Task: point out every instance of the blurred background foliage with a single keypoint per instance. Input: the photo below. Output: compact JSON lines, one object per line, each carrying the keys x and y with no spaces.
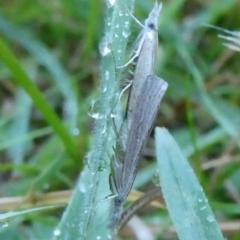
{"x":56,"y":43}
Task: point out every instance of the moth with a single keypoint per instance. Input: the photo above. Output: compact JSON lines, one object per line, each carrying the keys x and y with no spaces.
{"x":144,"y":56}
{"x":125,"y":161}
{"x":145,"y":95}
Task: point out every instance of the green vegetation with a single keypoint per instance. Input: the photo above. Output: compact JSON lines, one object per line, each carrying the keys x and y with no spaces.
{"x":59,"y":94}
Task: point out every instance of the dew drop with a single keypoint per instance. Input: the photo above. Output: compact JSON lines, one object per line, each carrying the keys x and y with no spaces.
{"x":104,"y":130}
{"x":104,"y":48}
{"x":107,"y":75}
{"x":82,"y":188}
{"x":102,"y":167}
{"x":202,"y":208}
{"x":104,"y":89}
{"x":113,"y":114}
{"x":210,"y":218}
{"x":5,"y":225}
{"x":95,"y":115}
{"x":86,"y":161}
{"x":120,"y":13}
{"x":57,"y":232}
{"x":126,"y":23}
{"x":115,"y":35}
{"x":110,"y":3}
{"x":109,"y":21}
{"x":117,"y":26}
{"x":125,"y":34}
{"x":94,"y":110}
{"x":75,"y":131}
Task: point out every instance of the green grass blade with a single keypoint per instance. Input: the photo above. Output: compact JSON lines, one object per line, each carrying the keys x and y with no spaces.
{"x":86,"y":217}
{"x":22,"y":79}
{"x":19,"y":126}
{"x":45,"y":58}
{"x":206,"y":98}
{"x":7,"y":216}
{"x":185,"y":199}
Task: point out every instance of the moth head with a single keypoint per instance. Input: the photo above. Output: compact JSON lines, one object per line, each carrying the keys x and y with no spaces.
{"x":152,"y":21}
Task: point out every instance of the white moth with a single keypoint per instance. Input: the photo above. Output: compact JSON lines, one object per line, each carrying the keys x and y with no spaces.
{"x":145,"y":96}
{"x":125,"y":162}
{"x":144,"y":55}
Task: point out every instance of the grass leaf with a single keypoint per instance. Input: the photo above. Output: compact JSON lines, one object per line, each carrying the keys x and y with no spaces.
{"x":185,"y":199}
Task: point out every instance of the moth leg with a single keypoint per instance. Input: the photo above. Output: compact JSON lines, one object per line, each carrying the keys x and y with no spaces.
{"x":135,"y":55}
{"x":134,"y":18}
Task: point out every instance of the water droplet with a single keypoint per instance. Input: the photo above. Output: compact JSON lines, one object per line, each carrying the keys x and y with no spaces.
{"x":82,"y":187}
{"x":104,"y":89}
{"x":126,"y":23}
{"x":94,"y":110}
{"x":110,"y":3}
{"x":113,"y":114}
{"x":210,"y":218}
{"x":120,"y":13}
{"x":107,"y":75}
{"x":98,"y":237}
{"x":104,"y":130}
{"x":102,"y":167}
{"x":115,"y":35}
{"x":200,"y":200}
{"x":119,"y":50}
{"x":4,"y":224}
{"x":86,"y":161}
{"x":117,"y":26}
{"x":104,"y":48}
{"x":95,"y":115}
{"x":57,"y":232}
{"x":75,"y":131}
{"x":125,"y":34}
{"x":202,"y":208}
{"x":109,"y":22}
